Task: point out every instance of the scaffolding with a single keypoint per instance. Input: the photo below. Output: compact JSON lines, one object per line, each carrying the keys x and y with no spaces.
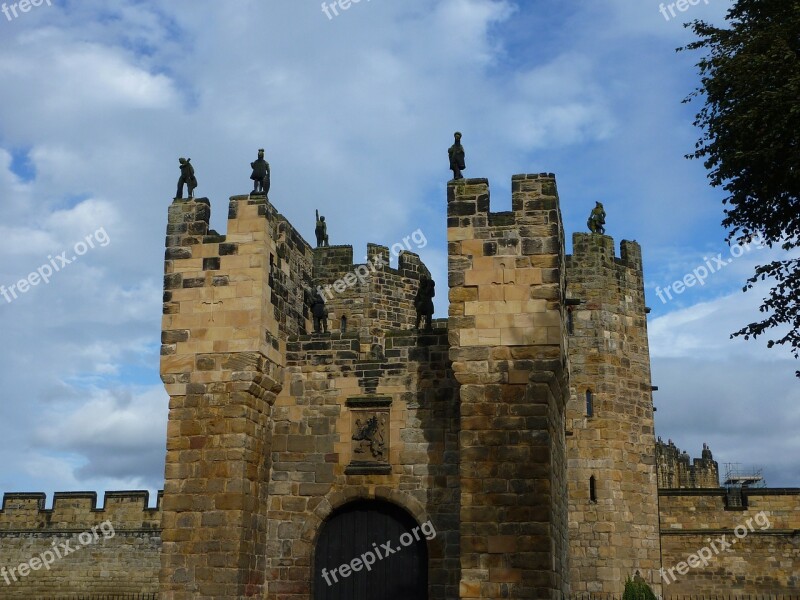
{"x":740,"y":477}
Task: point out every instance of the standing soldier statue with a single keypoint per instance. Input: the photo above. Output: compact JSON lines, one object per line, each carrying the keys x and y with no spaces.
{"x":319,"y":313}
{"x":597,"y":219}
{"x":187,"y":177}
{"x":423,"y":302}
{"x":321,"y":231}
{"x":456,"y":154}
{"x":260,"y":175}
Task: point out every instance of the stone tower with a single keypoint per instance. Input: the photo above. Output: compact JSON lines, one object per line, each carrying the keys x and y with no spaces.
{"x":222,"y":368}
{"x":611,"y":466}
{"x":506,"y":272}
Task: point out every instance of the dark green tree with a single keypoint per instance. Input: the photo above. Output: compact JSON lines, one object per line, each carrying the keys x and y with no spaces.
{"x":637,"y":590}
{"x":750,"y":80}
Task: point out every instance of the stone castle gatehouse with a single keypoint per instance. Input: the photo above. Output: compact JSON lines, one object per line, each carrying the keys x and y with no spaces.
{"x":507,"y":453}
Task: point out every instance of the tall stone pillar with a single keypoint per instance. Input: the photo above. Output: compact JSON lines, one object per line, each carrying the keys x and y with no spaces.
{"x":506,"y":277}
{"x":222,"y":377}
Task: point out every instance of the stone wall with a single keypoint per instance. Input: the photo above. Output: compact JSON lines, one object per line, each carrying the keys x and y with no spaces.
{"x":233,"y":310}
{"x":291,"y":268}
{"x":506,"y":279}
{"x":88,"y":550}
{"x":332,"y":387}
{"x":613,"y":508}
{"x":764,"y":552}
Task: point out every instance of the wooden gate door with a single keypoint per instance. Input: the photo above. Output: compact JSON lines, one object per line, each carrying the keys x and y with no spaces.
{"x":364,"y":527}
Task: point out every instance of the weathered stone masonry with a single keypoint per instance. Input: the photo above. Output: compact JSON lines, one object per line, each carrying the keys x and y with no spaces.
{"x":484,"y":463}
{"x":521,"y":427}
{"x":764,"y":558}
{"x":222,"y":367}
{"x":613,"y":504}
{"x":677,"y":470}
{"x":125,"y":562}
{"x":315,"y":469}
{"x":507,"y":287}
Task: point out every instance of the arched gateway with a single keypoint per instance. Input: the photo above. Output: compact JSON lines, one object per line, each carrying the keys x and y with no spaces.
{"x":371,"y":549}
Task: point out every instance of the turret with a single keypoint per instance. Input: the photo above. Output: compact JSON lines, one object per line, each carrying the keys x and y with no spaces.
{"x":614,"y":529}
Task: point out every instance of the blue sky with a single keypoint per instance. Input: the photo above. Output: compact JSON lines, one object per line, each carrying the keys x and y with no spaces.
{"x":356,"y":113}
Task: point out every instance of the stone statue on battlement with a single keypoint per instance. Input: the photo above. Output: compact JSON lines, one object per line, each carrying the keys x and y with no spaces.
{"x":187,"y":177}
{"x":321,"y":231}
{"x":260,"y":174}
{"x":423,"y":302}
{"x":319,"y":312}
{"x":597,"y":219}
{"x":707,"y":453}
{"x":456,"y":154}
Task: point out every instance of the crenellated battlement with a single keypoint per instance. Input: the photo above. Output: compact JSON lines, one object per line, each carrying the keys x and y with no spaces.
{"x":597,"y":250}
{"x":368,"y":297}
{"x":332,"y":262}
{"x":600,"y":279}
{"x":264,"y":259}
{"x":127,"y":510}
{"x":532,"y":196}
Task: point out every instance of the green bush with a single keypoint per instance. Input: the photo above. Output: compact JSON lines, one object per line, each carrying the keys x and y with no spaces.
{"x":637,"y":590}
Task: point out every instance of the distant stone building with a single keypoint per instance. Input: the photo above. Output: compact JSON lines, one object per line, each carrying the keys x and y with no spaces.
{"x":509,"y":453}
{"x":677,"y":470}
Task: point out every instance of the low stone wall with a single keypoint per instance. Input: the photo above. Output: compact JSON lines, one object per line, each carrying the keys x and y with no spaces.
{"x":77,"y":548}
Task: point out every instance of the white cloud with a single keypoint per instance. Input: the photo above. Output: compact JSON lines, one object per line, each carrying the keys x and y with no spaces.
{"x":726,"y":392}
{"x":356,"y":114}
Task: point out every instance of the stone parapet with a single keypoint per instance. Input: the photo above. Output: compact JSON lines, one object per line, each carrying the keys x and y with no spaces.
{"x":78,"y":511}
{"x":109,"y":549}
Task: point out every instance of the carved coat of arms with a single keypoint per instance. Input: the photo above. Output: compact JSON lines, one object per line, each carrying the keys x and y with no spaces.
{"x":370,"y":437}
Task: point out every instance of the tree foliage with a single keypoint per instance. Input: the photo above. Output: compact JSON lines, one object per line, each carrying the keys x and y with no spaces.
{"x":637,"y":590}
{"x":750,"y":80}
